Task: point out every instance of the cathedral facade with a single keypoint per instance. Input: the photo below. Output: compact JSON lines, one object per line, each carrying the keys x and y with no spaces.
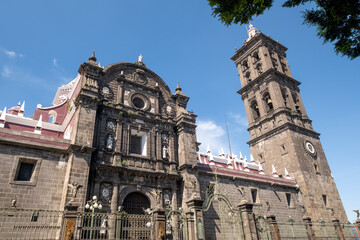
{"x":120,"y":134}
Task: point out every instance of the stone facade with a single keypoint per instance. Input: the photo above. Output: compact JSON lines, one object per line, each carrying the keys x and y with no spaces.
{"x":118,"y":130}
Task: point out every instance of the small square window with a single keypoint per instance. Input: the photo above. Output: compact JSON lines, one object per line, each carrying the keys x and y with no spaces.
{"x":25,"y":171}
{"x":254,"y":195}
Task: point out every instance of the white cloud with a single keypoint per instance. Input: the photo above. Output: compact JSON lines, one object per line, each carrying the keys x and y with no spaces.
{"x":6,"y":72}
{"x":210,"y":134}
{"x":55,"y":62}
{"x":11,"y":54}
{"x":241,"y":120}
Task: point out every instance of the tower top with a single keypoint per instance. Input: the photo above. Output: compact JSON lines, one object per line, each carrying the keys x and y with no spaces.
{"x":252,"y":31}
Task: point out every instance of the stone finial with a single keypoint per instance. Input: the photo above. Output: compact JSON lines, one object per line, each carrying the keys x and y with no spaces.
{"x":208,"y":149}
{"x":261,"y":170}
{"x":246,"y":167}
{"x":287,"y":175}
{"x":241,"y":156}
{"x":229,"y":162}
{"x":252,"y":158}
{"x":140,"y":59}
{"x":92,"y":58}
{"x":222,"y":152}
{"x":245,"y":159}
{"x":23,"y":106}
{"x":178,"y":88}
{"x":274,"y":172}
{"x":2,"y":118}
{"x":22,"y":110}
{"x":38,"y":126}
{"x":252,"y":31}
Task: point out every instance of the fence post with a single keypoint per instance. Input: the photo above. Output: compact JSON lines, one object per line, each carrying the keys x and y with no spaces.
{"x":247,"y":215}
{"x":309,"y":228}
{"x":274,"y":229}
{"x":160,"y":219}
{"x":69,"y":222}
{"x":338,"y":228}
{"x":197,"y":222}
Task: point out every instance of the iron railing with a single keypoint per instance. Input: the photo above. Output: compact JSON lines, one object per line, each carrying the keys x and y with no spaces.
{"x":30,"y":224}
{"x":291,"y":229}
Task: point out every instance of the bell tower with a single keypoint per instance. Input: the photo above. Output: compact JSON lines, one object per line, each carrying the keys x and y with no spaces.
{"x":281,"y":134}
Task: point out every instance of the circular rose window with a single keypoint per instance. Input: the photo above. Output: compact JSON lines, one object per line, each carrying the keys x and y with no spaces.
{"x":138,"y":102}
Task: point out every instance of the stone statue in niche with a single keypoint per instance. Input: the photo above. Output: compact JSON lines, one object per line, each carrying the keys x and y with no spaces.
{"x":165,"y":145}
{"x":106,"y":192}
{"x":111,"y":126}
{"x":75,"y":188}
{"x":110,"y":142}
{"x":167,"y":199}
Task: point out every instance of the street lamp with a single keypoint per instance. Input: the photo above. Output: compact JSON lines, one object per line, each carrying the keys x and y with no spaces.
{"x":92,"y":205}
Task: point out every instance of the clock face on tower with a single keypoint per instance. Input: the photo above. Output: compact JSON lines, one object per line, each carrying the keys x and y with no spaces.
{"x":309,"y":148}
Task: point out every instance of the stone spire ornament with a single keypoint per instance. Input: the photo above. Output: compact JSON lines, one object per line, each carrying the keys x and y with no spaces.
{"x":22,"y":110}
{"x":140,"y":59}
{"x":252,"y":158}
{"x":287,"y":175}
{"x":2,"y":118}
{"x":92,"y":58}
{"x":274,"y":172}
{"x":261,"y":170}
{"x":38,"y":126}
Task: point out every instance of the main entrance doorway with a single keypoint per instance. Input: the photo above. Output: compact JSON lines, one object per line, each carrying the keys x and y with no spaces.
{"x":133,"y":222}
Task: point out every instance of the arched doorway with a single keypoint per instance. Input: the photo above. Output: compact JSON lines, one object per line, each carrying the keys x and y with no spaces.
{"x":135,"y":203}
{"x":133,"y":222}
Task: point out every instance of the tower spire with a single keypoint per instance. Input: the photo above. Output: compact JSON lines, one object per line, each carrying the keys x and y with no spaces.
{"x":92,"y":58}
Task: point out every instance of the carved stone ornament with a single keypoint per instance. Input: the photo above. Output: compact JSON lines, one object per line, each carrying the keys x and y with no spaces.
{"x":105,"y":92}
{"x":106,"y":191}
{"x":140,"y":76}
{"x":111,"y":126}
{"x":168,"y":110}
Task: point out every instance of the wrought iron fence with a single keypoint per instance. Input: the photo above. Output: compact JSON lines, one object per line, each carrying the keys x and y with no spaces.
{"x":350,"y":231}
{"x":292,"y":230}
{"x":30,"y":224}
{"x":262,"y":227}
{"x":325,"y":230}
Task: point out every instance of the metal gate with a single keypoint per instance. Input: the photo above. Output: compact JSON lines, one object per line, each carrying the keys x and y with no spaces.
{"x":176,"y":225}
{"x":230,"y":219}
{"x":119,"y":226}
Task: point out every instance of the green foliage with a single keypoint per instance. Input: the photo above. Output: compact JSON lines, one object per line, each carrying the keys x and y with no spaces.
{"x":336,"y":21}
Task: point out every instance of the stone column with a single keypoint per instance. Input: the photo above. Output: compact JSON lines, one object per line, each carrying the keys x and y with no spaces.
{"x":113,"y":208}
{"x":248,"y":220}
{"x":195,"y":206}
{"x":190,"y":225}
{"x":160,"y":218}
{"x":310,"y":230}
{"x":338,"y":229}
{"x":274,"y":229}
{"x":69,"y":222}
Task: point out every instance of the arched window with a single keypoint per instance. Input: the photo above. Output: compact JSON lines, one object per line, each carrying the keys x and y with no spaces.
{"x":135,"y":203}
{"x":52,"y":116}
{"x":296,"y":101}
{"x":247,"y":75}
{"x":284,"y":96}
{"x":256,"y":56}
{"x":259,"y":68}
{"x":268,"y":102}
{"x":255,"y":109}
{"x":245,"y":65}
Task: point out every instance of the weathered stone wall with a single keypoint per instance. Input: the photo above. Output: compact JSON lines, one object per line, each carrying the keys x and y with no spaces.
{"x":271,"y":201}
{"x":45,"y":192}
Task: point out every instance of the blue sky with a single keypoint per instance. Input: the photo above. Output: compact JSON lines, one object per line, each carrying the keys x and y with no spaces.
{"x":42,"y":44}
